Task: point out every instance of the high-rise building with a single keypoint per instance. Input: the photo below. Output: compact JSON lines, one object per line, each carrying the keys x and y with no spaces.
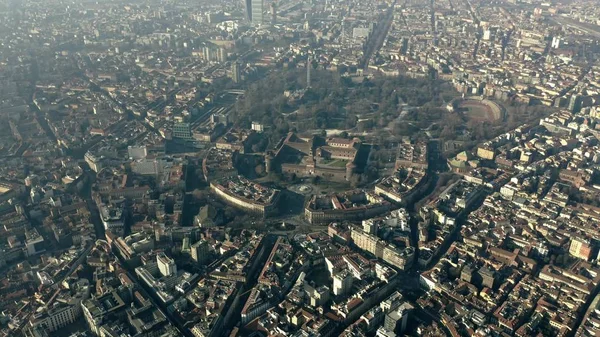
{"x":318,"y":296}
{"x":236,"y":74}
{"x":396,"y":320}
{"x":166,"y":265}
{"x":182,"y":131}
{"x":392,"y":302}
{"x":273,"y":12}
{"x":221,"y":55}
{"x":212,"y":53}
{"x":308,"y":66}
{"x":248,"y":10}
{"x":257,"y":12}
{"x":342,"y":282}
{"x":372,"y":319}
{"x":185,"y":246}
{"x":94,"y":162}
{"x":575,"y":103}
{"x":200,"y":251}
{"x":487,"y":277}
{"x":208,"y":53}
{"x":466,"y":274}
{"x":556,"y":42}
{"x":370,"y":226}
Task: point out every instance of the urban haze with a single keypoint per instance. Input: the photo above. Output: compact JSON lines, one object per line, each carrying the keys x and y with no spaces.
{"x":312,"y":168}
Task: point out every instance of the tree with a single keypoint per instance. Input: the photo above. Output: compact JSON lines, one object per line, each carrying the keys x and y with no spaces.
{"x":259,"y":169}
{"x":404,"y":129}
{"x":260,"y":145}
{"x":355,"y":181}
{"x":361,"y":107}
{"x":351,"y":121}
{"x":199,"y":196}
{"x":371,"y":173}
{"x":448,"y":133}
{"x":230,"y":212}
{"x":335,"y":101}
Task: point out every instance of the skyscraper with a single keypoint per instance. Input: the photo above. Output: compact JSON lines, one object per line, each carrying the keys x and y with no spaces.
{"x":248,"y":10}
{"x":254,"y":11}
{"x":236,"y":75}
{"x":200,"y":251}
{"x":308,"y":66}
{"x":273,"y":12}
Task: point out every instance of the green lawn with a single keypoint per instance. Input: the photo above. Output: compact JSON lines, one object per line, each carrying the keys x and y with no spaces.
{"x":338,"y":163}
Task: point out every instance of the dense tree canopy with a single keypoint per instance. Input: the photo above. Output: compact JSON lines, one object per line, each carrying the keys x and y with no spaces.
{"x":332,"y":101}
{"x":402,"y":106}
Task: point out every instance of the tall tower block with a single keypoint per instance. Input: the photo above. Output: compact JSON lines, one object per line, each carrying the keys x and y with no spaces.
{"x":308,"y":66}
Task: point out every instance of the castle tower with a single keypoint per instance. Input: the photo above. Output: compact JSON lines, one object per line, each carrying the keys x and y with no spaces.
{"x":268,"y":163}
{"x":350,"y":168}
